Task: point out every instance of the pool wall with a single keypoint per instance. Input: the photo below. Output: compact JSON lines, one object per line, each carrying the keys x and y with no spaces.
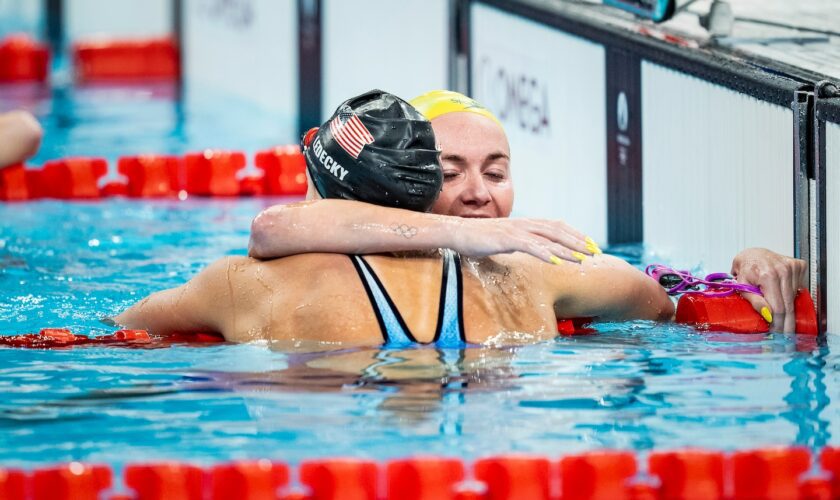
{"x":712,"y":157}
{"x":827,"y":216}
{"x":629,"y":133}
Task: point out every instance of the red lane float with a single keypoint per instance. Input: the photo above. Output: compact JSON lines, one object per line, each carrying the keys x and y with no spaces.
{"x":734,"y":313}
{"x":284,"y":169}
{"x":575,"y":326}
{"x":347,"y":479}
{"x":427,"y":478}
{"x":150,"y":176}
{"x":252,"y":480}
{"x":251,"y":186}
{"x":602,"y":475}
{"x":73,"y":481}
{"x":22,"y":59}
{"x":689,"y":473}
{"x":114,"y":188}
{"x":769,"y":473}
{"x":13,"y":185}
{"x":830,"y":462}
{"x":515,"y":477}
{"x":165,"y":481}
{"x":126,"y":60}
{"x":213,"y":172}
{"x":68,"y":178}
{"x":12,"y":483}
{"x":61,"y":338}
{"x":692,"y":473}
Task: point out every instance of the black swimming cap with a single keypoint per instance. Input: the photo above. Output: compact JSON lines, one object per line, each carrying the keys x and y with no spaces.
{"x":378,"y":149}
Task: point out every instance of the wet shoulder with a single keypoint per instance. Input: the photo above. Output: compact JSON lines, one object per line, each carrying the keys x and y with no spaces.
{"x":519,"y":263}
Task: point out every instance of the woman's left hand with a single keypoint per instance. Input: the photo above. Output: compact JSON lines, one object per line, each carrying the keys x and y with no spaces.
{"x":779,"y":278}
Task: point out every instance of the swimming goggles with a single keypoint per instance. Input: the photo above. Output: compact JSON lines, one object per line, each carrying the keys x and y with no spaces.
{"x":677,"y":282}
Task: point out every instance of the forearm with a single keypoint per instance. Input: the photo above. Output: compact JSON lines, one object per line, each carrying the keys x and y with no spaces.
{"x":648,"y":300}
{"x":609,"y":288}
{"x":343,"y":226}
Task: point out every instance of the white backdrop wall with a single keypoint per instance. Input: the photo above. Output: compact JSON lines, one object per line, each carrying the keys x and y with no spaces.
{"x":116,"y":18}
{"x":246,"y":51}
{"x":832,"y":210}
{"x":718,"y":171}
{"x":548,"y":89}
{"x":400,"y":47}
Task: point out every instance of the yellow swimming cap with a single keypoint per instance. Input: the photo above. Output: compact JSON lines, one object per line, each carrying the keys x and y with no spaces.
{"x":440,"y":102}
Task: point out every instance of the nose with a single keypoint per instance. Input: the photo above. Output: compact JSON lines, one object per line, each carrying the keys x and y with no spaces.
{"x":475,"y":192}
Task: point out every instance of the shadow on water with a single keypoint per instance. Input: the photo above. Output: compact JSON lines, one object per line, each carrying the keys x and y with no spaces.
{"x":412,"y":383}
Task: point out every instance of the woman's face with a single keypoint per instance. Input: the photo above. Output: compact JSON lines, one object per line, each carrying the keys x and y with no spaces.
{"x":475,"y":157}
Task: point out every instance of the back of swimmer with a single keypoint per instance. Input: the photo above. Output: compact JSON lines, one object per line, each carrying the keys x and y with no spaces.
{"x":376,"y":146}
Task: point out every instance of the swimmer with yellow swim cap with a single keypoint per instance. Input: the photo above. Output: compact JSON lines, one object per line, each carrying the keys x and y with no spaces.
{"x":472,"y":210}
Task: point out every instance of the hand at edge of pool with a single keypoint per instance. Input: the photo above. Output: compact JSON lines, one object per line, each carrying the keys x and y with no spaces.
{"x":778,"y":276}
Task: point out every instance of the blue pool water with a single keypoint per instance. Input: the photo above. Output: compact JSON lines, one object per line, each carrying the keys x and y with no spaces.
{"x":637,"y":386}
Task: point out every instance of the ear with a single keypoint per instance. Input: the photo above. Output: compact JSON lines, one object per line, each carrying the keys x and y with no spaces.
{"x":311,"y":192}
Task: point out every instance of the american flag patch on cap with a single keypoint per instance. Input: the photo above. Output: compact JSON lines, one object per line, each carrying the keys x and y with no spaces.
{"x":350,"y":133}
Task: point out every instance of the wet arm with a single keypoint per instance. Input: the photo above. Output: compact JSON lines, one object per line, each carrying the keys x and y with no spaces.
{"x":196,"y":306}
{"x":20,"y":136}
{"x":607,"y":288}
{"x":343,"y":226}
{"x":352,"y":227}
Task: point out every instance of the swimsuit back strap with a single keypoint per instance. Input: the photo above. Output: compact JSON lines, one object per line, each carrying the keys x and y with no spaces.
{"x":450,"y":327}
{"x":395,"y":332}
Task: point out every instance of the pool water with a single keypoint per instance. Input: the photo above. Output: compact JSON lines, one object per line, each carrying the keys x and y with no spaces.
{"x":637,"y":385}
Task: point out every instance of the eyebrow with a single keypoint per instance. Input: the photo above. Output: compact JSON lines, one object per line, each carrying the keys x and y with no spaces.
{"x":453,"y":158}
{"x":496,"y":155}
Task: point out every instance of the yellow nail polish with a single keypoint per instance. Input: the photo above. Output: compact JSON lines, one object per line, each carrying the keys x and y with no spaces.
{"x":765,"y":313}
{"x":592,"y":247}
{"x":579,"y":256}
{"x":556,"y":260}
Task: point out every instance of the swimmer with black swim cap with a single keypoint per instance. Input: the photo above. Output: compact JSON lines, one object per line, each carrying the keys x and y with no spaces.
{"x":377,"y":148}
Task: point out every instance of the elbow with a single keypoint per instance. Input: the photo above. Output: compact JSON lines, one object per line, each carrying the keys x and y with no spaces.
{"x":667,"y":310}
{"x":661,"y":308}
{"x":29,"y":131}
{"x":256,"y":243}
{"x":267,"y":227}
{"x":34,"y":135}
